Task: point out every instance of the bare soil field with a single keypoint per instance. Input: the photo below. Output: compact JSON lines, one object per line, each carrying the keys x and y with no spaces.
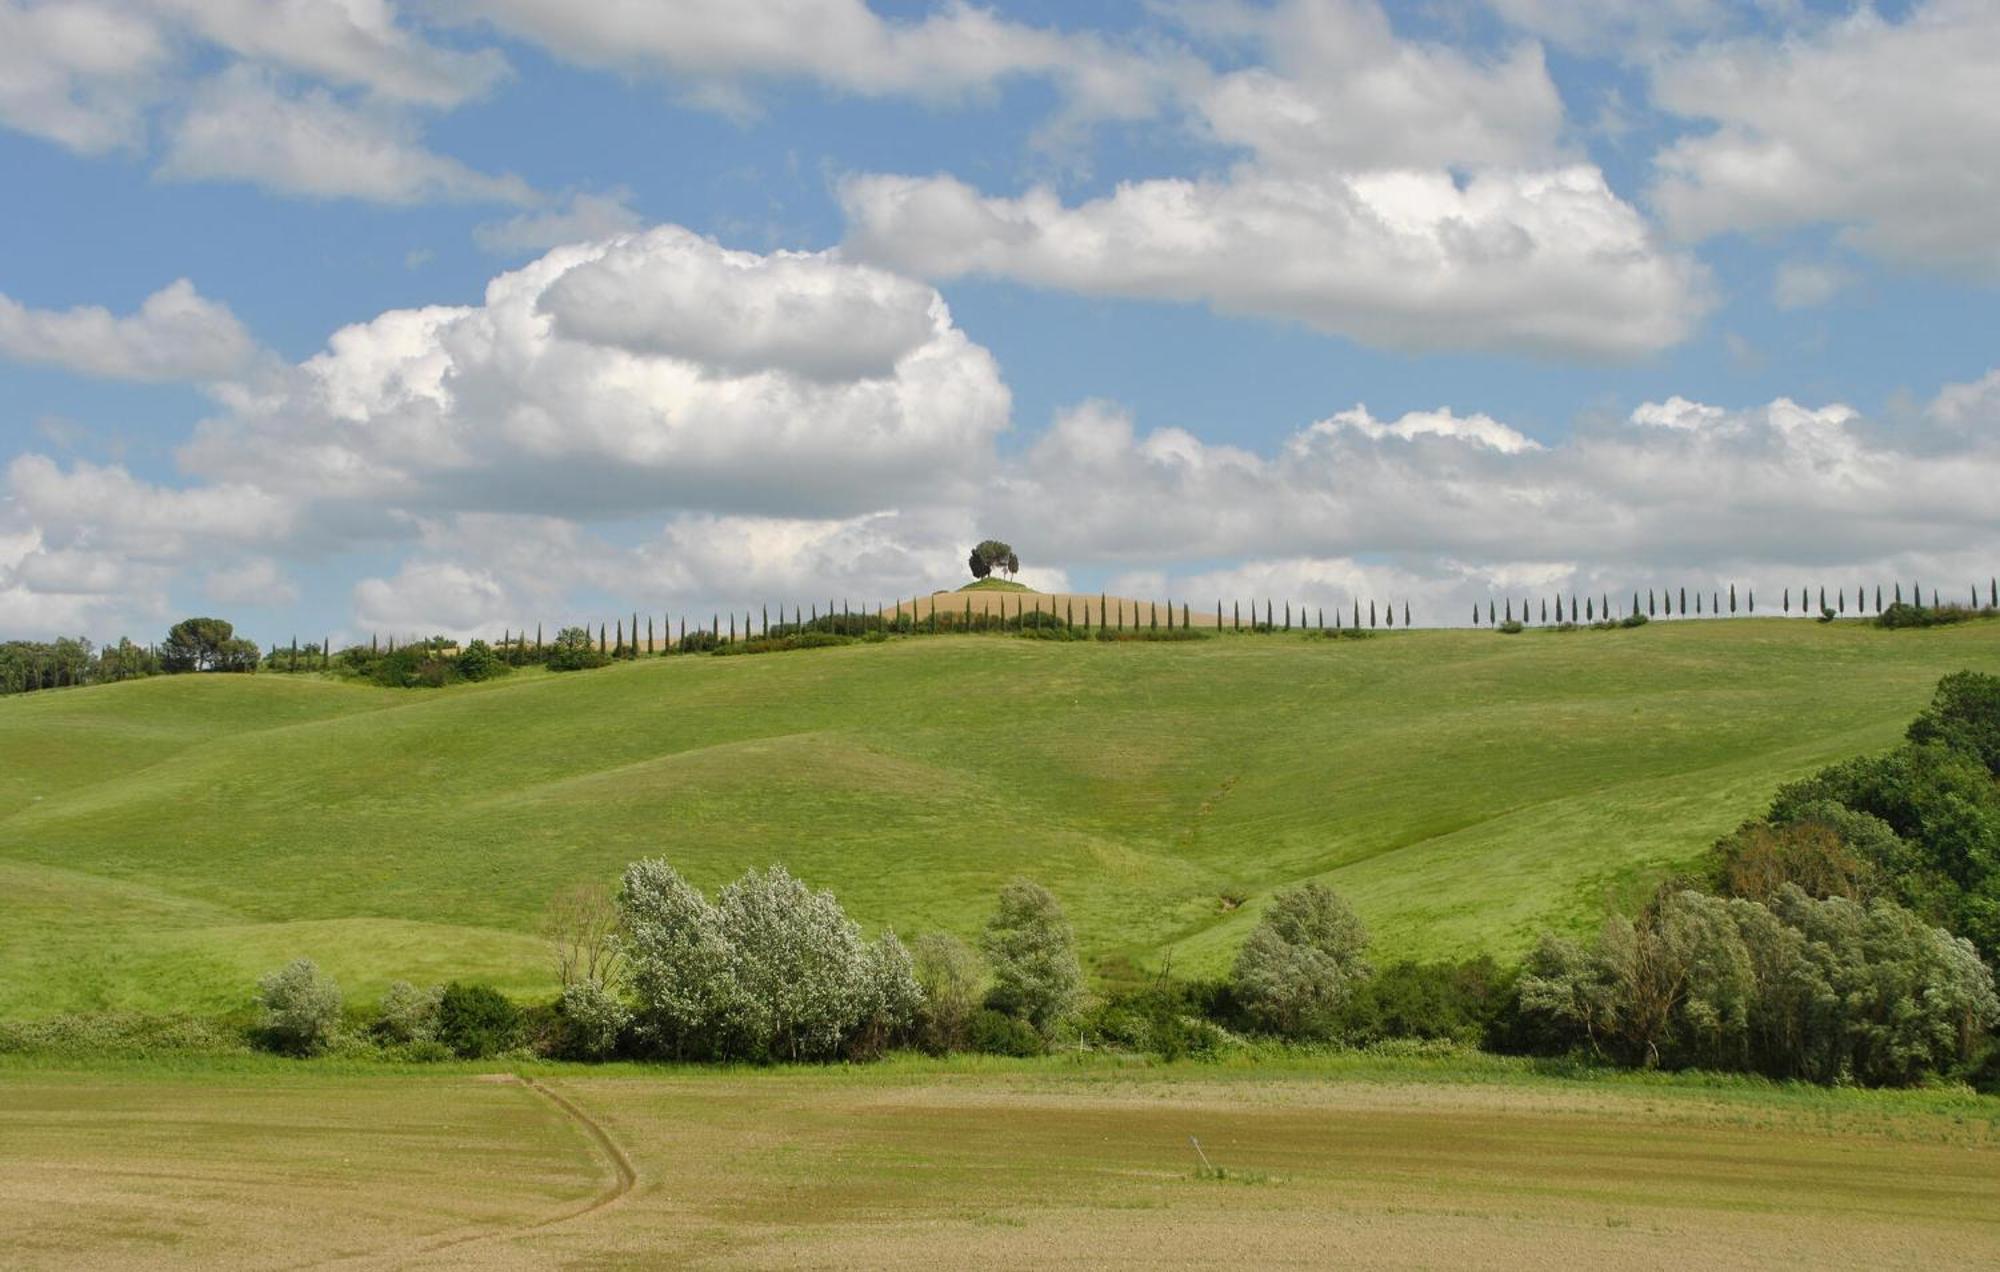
{"x":915,"y":1165}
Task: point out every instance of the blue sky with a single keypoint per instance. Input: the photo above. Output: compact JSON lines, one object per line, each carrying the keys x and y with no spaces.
{"x":1312,"y":299}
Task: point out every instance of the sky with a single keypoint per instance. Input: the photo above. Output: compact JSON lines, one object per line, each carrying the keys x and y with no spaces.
{"x":402,"y":317}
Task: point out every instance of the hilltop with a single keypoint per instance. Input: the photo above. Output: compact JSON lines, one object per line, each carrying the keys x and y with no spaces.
{"x":164,"y":841}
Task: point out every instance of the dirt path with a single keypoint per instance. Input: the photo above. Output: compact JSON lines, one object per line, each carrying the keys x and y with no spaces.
{"x":625,"y":1177}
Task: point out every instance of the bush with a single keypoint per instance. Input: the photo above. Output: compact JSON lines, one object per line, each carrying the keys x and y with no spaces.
{"x":1633,"y":620}
{"x":476,"y":1021}
{"x":575,"y":650}
{"x":594,"y":1018}
{"x":1760,"y":858}
{"x":300,"y":1008}
{"x":996,"y":1033}
{"x":1964,"y":715}
{"x":1465,"y":1003}
{"x":1512,"y":627}
{"x":781,"y":644}
{"x":1301,"y":963}
{"x":1903,"y":614}
{"x":478,"y":662}
{"x":1032,"y":949}
{"x":770,"y":971}
{"x":1828,"y":991}
{"x":408,"y":1014}
{"x":700,"y":641}
{"x":951,"y":978}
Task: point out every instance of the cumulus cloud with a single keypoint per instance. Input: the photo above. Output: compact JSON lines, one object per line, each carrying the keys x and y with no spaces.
{"x":177,"y":334}
{"x":252,"y":581}
{"x":243,"y":125}
{"x":429,"y":597}
{"x":581,"y":218}
{"x":1803,"y":284}
{"x":351,"y":42}
{"x":1549,"y":262}
{"x":1338,"y":89}
{"x":1887,"y":129}
{"x":680,"y":297}
{"x":717,"y":45}
{"x":79,"y":73}
{"x":698,"y":395}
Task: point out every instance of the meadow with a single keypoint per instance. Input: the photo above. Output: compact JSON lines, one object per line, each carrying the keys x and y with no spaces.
{"x":1351,"y":1160}
{"x":165,"y":841}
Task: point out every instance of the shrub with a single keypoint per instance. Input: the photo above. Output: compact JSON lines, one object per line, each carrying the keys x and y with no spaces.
{"x":575,"y":650}
{"x":1827,"y":990}
{"x":781,"y":644}
{"x":702,"y":640}
{"x":996,"y":1033}
{"x":1964,"y":715}
{"x":1633,"y":620}
{"x":1301,"y":963}
{"x":594,"y":1018}
{"x":478,"y":662}
{"x":1466,"y":1003}
{"x":300,"y":1008}
{"x":1759,"y":858}
{"x":476,"y":1021}
{"x":408,"y":1014}
{"x":1512,"y":627}
{"x":1903,"y":614}
{"x":770,"y":971}
{"x":951,"y":977}
{"x":1032,"y":949}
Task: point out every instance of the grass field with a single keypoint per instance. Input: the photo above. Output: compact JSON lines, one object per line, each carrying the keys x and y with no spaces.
{"x":163,"y":842}
{"x":1333,"y":1162}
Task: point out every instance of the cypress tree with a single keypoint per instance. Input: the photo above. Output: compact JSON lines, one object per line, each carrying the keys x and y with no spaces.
{"x":1751,"y":597}
{"x":1684,"y":603}
{"x":1992,"y":592}
{"x":1934,"y":598}
{"x":325,"y":650}
{"x":684,"y":632}
{"x":1788,"y":600}
{"x":1218,"y":614}
{"x":1371,"y":613}
{"x":1389,"y":614}
{"x":601,"y":646}
{"x":538,"y":638}
{"x":1545,"y":609}
{"x":1489,"y":611}
{"x":1406,"y":614}
{"x":1267,"y":612}
{"x":1917,"y":596}
{"x":1357,"y":613}
{"x":1288,"y":616}
{"x":1651,"y":612}
{"x":1697,"y":604}
{"x":732,"y":627}
{"x":1510,"y":609}
{"x":1475,"y":615}
{"x":1899,"y":592}
{"x":1069,"y":614}
{"x":1822,"y":599}
{"x":374,"y":643}
{"x":1878,"y":598}
{"x":1184,"y":616}
{"x":1236,"y":615}
{"x":968,"y":613}
{"x":1559,"y":609}
{"x":1170,"y":615}
{"x":295,"y":640}
{"x":1322,"y":618}
{"x":1732,"y":598}
{"x":1840,"y":598}
{"x":1589,"y":610}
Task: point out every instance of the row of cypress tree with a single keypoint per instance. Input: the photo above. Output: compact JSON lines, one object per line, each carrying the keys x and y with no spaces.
{"x":1668,"y":602}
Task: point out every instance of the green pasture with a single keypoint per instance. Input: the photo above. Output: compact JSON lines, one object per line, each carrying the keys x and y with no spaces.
{"x":162,"y":842}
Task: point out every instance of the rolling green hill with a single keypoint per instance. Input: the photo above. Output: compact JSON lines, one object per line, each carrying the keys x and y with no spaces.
{"x":162,"y":842}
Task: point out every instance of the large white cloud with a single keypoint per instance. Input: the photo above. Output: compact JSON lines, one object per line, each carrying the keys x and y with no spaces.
{"x":243,"y":125}
{"x":1546,"y":262}
{"x":1887,"y":129}
{"x":177,"y":334}
{"x":716,"y":45}
{"x":349,"y":42}
{"x":647,"y":372}
{"x":78,"y":73}
{"x":1337,"y":89}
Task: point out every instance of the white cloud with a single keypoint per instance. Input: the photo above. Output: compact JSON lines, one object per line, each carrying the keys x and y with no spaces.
{"x":699,"y":397}
{"x":1634,"y":28}
{"x":252,"y":581}
{"x":425,"y":598}
{"x":1549,"y":263}
{"x":349,"y":42}
{"x":242,"y":125}
{"x":717,"y":45}
{"x":679,"y":296}
{"x":78,"y":73}
{"x":582,"y":218}
{"x":1889,"y":130}
{"x":1341,"y":91}
{"x":1803,"y":284}
{"x":177,"y":334}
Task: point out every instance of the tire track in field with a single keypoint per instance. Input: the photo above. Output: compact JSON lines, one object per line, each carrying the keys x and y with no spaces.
{"x":625,"y":1177}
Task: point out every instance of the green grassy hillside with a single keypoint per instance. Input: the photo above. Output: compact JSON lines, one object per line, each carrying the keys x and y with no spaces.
{"x":162,"y":842}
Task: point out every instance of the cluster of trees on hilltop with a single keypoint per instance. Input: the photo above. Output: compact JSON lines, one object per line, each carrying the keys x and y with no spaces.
{"x":1669,"y":602}
{"x":191,"y":645}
